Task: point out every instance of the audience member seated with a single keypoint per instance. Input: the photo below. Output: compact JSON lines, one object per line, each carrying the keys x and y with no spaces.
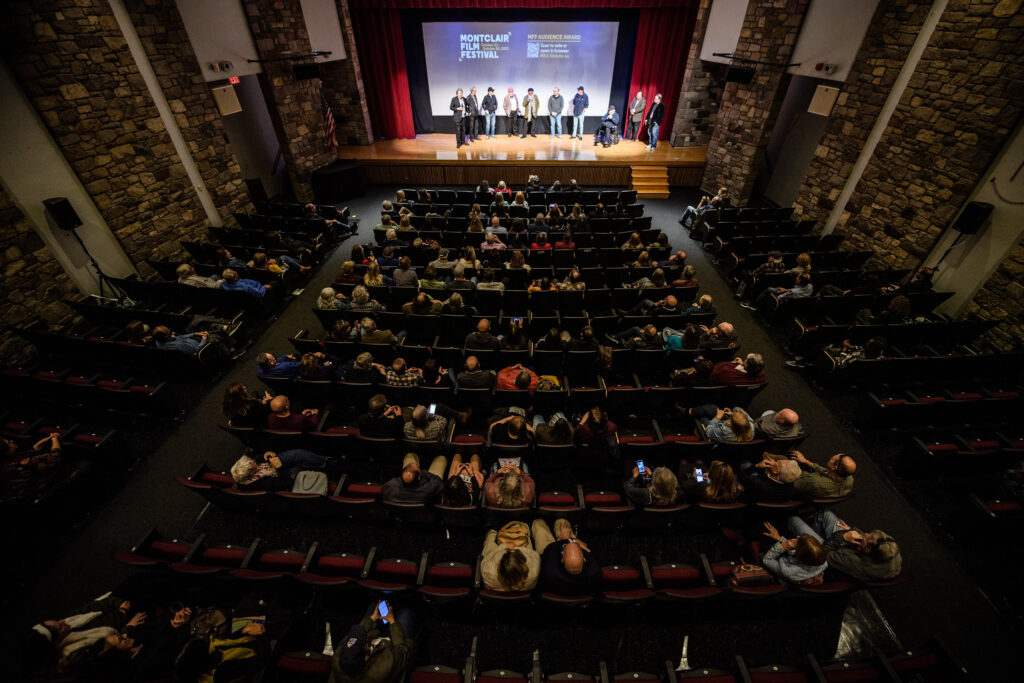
{"x":565,"y":241}
{"x":556,"y":431}
{"x":329,"y":300}
{"x":554,"y":340}
{"x":282,"y":419}
{"x":322,"y":367}
{"x":474,"y":377}
{"x":431,"y":282}
{"x":465,"y":482}
{"x":226,"y":259}
{"x":442,"y":263}
{"x":491,"y":242}
{"x":659,"y":489}
{"x":261,"y":262}
{"x":459,"y":280}
{"x":487,"y":281}
{"x":687,"y":338}
{"x":703,"y":305}
{"x":185,"y":344}
{"x":595,"y":427}
{"x":275,"y":471}
{"x":381,"y":420}
{"x":573,"y":282}
{"x":515,"y":339}
{"x":435,"y":375}
{"x":282,"y":367}
{"x":749,"y":370}
{"x":187,"y":276}
{"x":232,"y":283}
{"x":778,"y":425}
{"x":371,"y":335}
{"x":771,"y":480}
{"x":401,"y":375}
{"x":646,"y":337}
{"x":422,"y":304}
{"x":721,"y":336}
{"x":347,"y":274}
{"x":482,"y":338}
{"x":427,"y":426}
{"x":414,"y":485}
{"x":706,"y":204}
{"x":511,"y":559}
{"x":567,"y":567}
{"x":363,"y":370}
{"x":800,"y":560}
{"x":585,"y":342}
{"x":245,"y":409}
{"x":517,"y":378}
{"x":688,"y":278}
{"x":377,"y":649}
{"x":802,"y":289}
{"x":512,"y":430}
{"x":724,"y":424}
{"x":852,"y":553}
{"x":509,"y":487}
{"x":667,"y":306}
{"x":26,"y":473}
{"x":405,"y":275}
{"x":720,"y":484}
{"x":832,"y":481}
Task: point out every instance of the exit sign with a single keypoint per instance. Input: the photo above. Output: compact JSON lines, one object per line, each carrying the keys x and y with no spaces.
{"x":234,"y":80}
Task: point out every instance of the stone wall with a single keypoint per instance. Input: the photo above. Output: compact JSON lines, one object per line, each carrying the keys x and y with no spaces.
{"x":32,"y":281}
{"x":1002,"y":298}
{"x":959,"y":109}
{"x":343,"y":82}
{"x":748,"y":112}
{"x":279,"y":31}
{"x":73,"y":63}
{"x":701,"y":91}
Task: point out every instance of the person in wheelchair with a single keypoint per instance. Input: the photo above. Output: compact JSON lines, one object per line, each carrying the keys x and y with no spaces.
{"x":608,"y":133}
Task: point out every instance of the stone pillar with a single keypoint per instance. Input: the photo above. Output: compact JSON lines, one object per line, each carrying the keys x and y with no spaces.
{"x":700,"y":93}
{"x":747,"y":115}
{"x":279,"y":31}
{"x":32,"y":281}
{"x":71,"y":60}
{"x":958,"y":111}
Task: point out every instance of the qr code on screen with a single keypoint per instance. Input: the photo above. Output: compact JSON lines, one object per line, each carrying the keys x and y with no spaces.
{"x":532,"y":50}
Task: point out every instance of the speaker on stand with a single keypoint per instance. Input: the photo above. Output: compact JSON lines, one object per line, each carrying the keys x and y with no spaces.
{"x":66,"y":218}
{"x":971,"y":220}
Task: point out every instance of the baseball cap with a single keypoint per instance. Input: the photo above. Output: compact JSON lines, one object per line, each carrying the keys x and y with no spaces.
{"x":353,"y":653}
{"x":490,"y":90}
{"x":529,"y":90}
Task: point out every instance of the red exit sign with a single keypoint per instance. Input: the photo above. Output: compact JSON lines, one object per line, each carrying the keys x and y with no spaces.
{"x":234,"y":80}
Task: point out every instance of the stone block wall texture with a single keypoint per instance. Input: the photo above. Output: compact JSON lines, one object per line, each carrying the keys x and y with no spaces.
{"x":74,"y":65}
{"x":32,"y":281}
{"x":1002,"y":298}
{"x":346,"y":92}
{"x":279,"y":31}
{"x":701,"y":90}
{"x":748,"y":112}
{"x":959,"y":109}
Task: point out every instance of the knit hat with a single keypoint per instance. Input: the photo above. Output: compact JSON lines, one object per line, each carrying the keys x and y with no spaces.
{"x":529,"y":90}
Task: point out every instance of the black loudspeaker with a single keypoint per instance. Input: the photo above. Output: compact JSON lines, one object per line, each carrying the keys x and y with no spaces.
{"x":62,"y":213}
{"x":304,"y":72}
{"x":739,"y":74}
{"x":973,"y":217}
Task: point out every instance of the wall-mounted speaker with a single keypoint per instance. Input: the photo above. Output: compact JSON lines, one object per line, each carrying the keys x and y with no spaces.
{"x":62,"y":213}
{"x":973,"y":217}
{"x":304,"y":72}
{"x":739,"y":74}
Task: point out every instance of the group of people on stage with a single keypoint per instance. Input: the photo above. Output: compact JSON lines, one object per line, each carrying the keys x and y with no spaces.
{"x":522,"y":115}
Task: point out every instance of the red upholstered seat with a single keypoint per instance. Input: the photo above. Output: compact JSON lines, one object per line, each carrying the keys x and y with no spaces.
{"x":221,"y":480}
{"x":556,"y":499}
{"x":365,"y":490}
{"x":603,"y":499}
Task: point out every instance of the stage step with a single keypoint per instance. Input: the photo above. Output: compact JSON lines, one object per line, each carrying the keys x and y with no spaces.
{"x":650,"y":182}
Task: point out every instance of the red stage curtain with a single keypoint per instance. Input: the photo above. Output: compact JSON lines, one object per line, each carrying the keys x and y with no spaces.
{"x":662,"y":45}
{"x":382,"y":60}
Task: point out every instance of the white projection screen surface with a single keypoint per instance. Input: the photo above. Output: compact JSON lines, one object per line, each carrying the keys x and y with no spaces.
{"x":531,"y":54}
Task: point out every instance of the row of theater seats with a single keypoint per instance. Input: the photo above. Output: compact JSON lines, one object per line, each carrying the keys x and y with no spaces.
{"x":444,"y":197}
{"x":595,"y":510}
{"x":613,"y":238}
{"x":931,"y":662}
{"x":810,"y":335}
{"x":635,"y":583}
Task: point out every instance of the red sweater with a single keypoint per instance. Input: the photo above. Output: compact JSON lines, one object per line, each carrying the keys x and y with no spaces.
{"x":727,"y":372}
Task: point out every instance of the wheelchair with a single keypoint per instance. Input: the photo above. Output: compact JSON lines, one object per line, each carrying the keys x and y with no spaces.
{"x":607,"y":136}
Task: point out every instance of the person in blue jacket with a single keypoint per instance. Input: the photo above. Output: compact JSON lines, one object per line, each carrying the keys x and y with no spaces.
{"x":580,"y":104}
{"x":609,"y":125}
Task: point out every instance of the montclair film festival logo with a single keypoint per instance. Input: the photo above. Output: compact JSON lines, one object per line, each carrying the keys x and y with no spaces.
{"x":490,"y":45}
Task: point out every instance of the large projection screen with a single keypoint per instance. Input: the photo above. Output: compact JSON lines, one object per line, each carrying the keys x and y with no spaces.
{"x":531,"y":54}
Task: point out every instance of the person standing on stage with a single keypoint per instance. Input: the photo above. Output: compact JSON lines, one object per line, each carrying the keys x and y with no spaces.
{"x":458,"y":107}
{"x":531,"y":109}
{"x":472,"y":110}
{"x":511,"y":107}
{"x":636,"y":116}
{"x":556,"y":103}
{"x":489,"y":107}
{"x":654,"y":115}
{"x":580,"y":103}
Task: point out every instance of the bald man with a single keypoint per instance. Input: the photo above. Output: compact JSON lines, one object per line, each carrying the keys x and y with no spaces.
{"x":667,"y":306}
{"x":567,"y":567}
{"x":831,"y":481}
{"x":282,"y":418}
{"x":474,"y":377}
{"x":414,"y":485}
{"x":482,"y":338}
{"x":778,"y":425}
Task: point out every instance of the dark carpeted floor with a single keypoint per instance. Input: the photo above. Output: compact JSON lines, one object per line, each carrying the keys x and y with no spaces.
{"x":941,"y":600}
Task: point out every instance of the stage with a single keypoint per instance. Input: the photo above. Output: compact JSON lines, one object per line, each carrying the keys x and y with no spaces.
{"x":430,"y":160}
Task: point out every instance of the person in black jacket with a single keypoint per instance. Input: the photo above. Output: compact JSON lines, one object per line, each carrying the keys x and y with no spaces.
{"x":653,"y":121}
{"x":489,"y":107}
{"x":458,"y":107}
{"x":471,"y":113}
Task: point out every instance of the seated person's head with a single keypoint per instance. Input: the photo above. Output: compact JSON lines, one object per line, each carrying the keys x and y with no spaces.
{"x":161,"y":333}
{"x":573,"y":559}
{"x":184,"y":270}
{"x":512,"y":569}
{"x":364,"y":361}
{"x":377,"y":405}
{"x":517,"y":427}
{"x":510,"y":491}
{"x":472,"y":363}
{"x":483,"y":325}
{"x":398,"y":365}
{"x":411,"y":474}
{"x":809,"y":551}
{"x":279,"y":404}
{"x":754,"y":363}
{"x":229,"y":275}
{"x":664,"y":486}
{"x":523,"y":380}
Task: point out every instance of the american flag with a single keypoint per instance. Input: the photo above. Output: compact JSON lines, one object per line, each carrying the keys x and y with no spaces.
{"x":332,"y":141}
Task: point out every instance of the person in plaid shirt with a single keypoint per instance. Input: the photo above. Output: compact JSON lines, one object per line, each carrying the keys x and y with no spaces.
{"x":400,"y":375}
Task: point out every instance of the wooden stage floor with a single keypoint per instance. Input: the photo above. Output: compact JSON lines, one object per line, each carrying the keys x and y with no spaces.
{"x":433,"y":159}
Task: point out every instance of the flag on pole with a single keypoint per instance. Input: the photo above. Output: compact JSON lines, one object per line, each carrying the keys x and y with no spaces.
{"x":329,"y":127}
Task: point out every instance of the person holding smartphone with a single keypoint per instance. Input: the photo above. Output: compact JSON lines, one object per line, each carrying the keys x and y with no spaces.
{"x":379,"y":648}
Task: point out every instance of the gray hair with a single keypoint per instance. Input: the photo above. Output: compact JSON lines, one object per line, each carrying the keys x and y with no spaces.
{"x":789,"y":471}
{"x":459,"y":270}
{"x":360,"y":295}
